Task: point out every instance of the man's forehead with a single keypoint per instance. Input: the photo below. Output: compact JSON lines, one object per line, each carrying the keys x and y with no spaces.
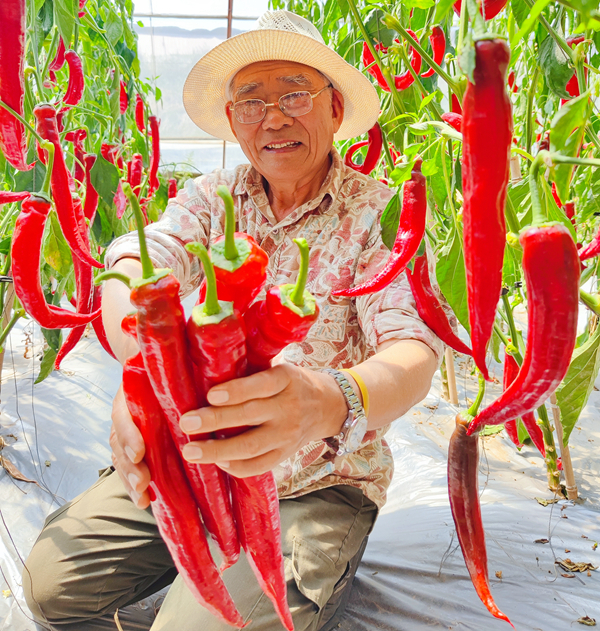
{"x":285,"y":71}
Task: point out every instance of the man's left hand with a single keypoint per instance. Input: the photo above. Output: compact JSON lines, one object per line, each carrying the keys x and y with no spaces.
{"x":282,"y":409}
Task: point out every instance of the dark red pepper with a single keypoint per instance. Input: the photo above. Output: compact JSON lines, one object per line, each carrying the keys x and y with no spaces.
{"x":59,"y":59}
{"x":137,"y":170}
{"x":98,"y":325}
{"x":91,"y":194}
{"x":76,"y":79}
{"x":437,"y":39}
{"x":285,"y":316}
{"x":123,"y":99}
{"x":139,"y":114}
{"x":172,"y":188}
{"x":491,"y":7}
{"x":411,"y":229}
{"x":375,"y":144}
{"x":153,"y":182}
{"x":403,"y":81}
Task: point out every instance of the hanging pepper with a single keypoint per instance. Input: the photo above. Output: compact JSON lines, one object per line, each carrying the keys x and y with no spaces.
{"x":240,"y":263}
{"x":487,"y":135}
{"x":429,"y":308}
{"x":91,"y":194}
{"x":437,"y":39}
{"x":137,"y":169}
{"x":406,"y":79}
{"x":76,"y":79}
{"x":173,"y":504}
{"x":375,"y":144}
{"x":59,"y":59}
{"x":172,"y":188}
{"x":98,"y":325}
{"x":463,"y":459}
{"x":162,"y":340}
{"x":491,"y":7}
{"x":123,"y":99}
{"x":8,"y":197}
{"x":551,"y":269}
{"x":12,"y":84}
{"x":512,"y":81}
{"x":139,"y":114}
{"x":511,"y":370}
{"x":61,"y":189}
{"x":411,"y":229}
{"x":454,"y":120}
{"x":283,"y":317}
{"x":456,"y":107}
{"x":403,"y":81}
{"x":153,"y":183}
{"x":77,"y":137}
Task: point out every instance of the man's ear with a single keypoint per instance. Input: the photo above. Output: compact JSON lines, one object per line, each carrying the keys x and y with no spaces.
{"x":337,"y":109}
{"x":229,"y":114}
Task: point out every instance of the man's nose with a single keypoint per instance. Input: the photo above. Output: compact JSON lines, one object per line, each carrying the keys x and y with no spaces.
{"x":275,"y":118}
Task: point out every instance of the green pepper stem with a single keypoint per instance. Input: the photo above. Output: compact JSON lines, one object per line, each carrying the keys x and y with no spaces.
{"x":49,"y":147}
{"x":111,"y":275}
{"x":31,"y":130}
{"x":539,"y":216}
{"x":552,"y":472}
{"x":529,"y":115}
{"x":147,"y":267}
{"x":211,"y":302}
{"x":591,"y":302}
{"x":16,"y":316}
{"x":479,"y":398}
{"x":297,"y":296}
{"x":231,"y":251}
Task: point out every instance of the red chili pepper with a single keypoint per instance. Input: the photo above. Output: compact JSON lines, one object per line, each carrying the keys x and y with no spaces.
{"x":137,"y":169}
{"x":454,"y":120}
{"x":375,"y":70}
{"x":123,"y":99}
{"x":375,"y":143}
{"x":240,"y":263}
{"x":8,"y":197}
{"x":456,"y":107}
{"x":48,"y":130}
{"x":139,"y":114}
{"x":153,"y":183}
{"x":463,"y":459}
{"x":411,"y":229}
{"x":77,"y":137}
{"x":429,"y":307}
{"x":76,"y":80}
{"x":12,"y":85}
{"x":81,"y":5}
{"x":406,"y":79}
{"x":551,"y":268}
{"x":173,"y":504}
{"x":492,"y":7}
{"x":59,"y":59}
{"x":98,"y":324}
{"x":437,"y":39}
{"x":487,"y":136}
{"x":91,"y":194}
{"x":172,"y":188}
{"x":162,"y":339}
{"x":283,"y":317}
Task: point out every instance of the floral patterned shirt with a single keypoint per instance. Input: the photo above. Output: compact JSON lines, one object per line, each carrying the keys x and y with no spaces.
{"x":341,"y":226}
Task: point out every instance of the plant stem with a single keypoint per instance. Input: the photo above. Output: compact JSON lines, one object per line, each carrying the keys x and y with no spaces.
{"x":552,"y":471}
{"x":553,"y":34}
{"x":147,"y":267}
{"x":297,"y":296}
{"x":529,"y":115}
{"x":448,"y":184}
{"x":511,"y":216}
{"x":431,"y":106}
{"x":211,"y":304}
{"x":231,"y":251}
{"x":8,"y":108}
{"x":16,"y":316}
{"x":538,"y":214}
{"x":479,"y":398}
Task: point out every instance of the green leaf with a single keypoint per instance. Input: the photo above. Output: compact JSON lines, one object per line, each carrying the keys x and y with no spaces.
{"x":589,"y":202}
{"x":377,"y":30}
{"x":429,"y":167}
{"x":510,"y":268}
{"x":437,"y":184}
{"x":441,"y":10}
{"x":530,"y":22}
{"x":101,"y":228}
{"x":418,"y":4}
{"x":55,"y":249}
{"x":575,"y":389}
{"x":30,"y":180}
{"x":401,"y":173}
{"x":390,"y":220}
{"x":555,"y":213}
{"x":47,"y":365}
{"x":115,"y":96}
{"x":105,"y":179}
{"x":53,"y":337}
{"x":522,"y":433}
{"x":466,"y":59}
{"x":5,"y":245}
{"x":113,"y":27}
{"x":556,"y":67}
{"x":451,"y":276}
{"x":64,"y":18}
{"x":520,"y":11}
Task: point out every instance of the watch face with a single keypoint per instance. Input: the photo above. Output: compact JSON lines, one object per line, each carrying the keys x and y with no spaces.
{"x":356,"y":434}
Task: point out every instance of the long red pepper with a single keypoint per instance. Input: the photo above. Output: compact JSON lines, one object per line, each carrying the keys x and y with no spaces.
{"x":139,"y":114}
{"x":61,"y":189}
{"x":411,"y":229}
{"x":487,"y":135}
{"x":463,"y":459}
{"x":454,"y":120}
{"x":551,"y":269}
{"x":123,"y":99}
{"x":375,"y":144}
{"x":173,"y":504}
{"x":403,"y":81}
{"x":162,"y":340}
{"x":172,"y":187}
{"x":12,"y":84}
{"x":153,"y":182}
{"x":8,"y":197}
{"x":77,"y":137}
{"x":491,"y":7}
{"x":437,"y":39}
{"x":213,"y":326}
{"x":429,"y":307}
{"x":76,"y":79}
{"x":98,"y":325}
{"x":137,"y":170}
{"x":59,"y":59}
{"x":240,"y":263}
{"x":283,"y":317}
{"x":91,"y":194}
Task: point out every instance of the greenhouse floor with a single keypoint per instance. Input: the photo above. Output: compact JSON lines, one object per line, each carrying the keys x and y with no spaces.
{"x":412,"y":576}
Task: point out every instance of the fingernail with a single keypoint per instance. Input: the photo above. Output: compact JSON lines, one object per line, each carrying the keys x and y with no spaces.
{"x":222,"y":465}
{"x":135,"y":497}
{"x":218,"y":396}
{"x":130,"y":453}
{"x":134,"y":480}
{"x":190,"y":423}
{"x":192,"y":452}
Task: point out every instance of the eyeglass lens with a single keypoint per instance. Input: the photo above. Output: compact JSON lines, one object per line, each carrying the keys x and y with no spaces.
{"x":293,"y":104}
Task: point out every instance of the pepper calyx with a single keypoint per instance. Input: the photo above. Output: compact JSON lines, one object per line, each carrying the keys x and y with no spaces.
{"x":217,"y":254}
{"x":307,"y":309}
{"x":201,"y":318}
{"x":154,"y":278}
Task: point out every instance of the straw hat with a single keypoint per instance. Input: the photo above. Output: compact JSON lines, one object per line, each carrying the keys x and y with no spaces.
{"x":279,"y":35}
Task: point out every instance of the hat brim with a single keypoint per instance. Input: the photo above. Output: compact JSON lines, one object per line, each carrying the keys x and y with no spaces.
{"x":204,"y":94}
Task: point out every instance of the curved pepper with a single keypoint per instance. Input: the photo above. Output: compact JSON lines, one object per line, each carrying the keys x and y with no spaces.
{"x":487,"y":136}
{"x":429,"y":308}
{"x":12,"y":85}
{"x":98,"y":325}
{"x":153,"y":183}
{"x":139,"y":114}
{"x":454,"y":120}
{"x":463,"y":459}
{"x":59,"y":59}
{"x":437,"y":39}
{"x":375,"y":144}
{"x":137,"y":169}
{"x":123,"y":99}
{"x":77,"y":137}
{"x":76,"y":79}
{"x":551,"y":268}
{"x":8,"y":197}
{"x":91,"y":194}
{"x":403,"y":81}
{"x":492,"y":7}
{"x":411,"y":229}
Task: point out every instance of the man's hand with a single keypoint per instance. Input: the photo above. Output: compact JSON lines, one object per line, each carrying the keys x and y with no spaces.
{"x":128,"y":452}
{"x":284,"y":408}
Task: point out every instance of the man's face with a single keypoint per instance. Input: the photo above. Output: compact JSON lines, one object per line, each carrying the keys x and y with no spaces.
{"x":310,"y":135}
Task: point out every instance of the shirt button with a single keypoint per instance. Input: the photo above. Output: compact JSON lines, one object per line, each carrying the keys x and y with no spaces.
{"x":276,"y":231}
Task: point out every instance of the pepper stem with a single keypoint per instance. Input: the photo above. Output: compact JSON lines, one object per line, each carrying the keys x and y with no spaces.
{"x":539,"y":216}
{"x":49,"y":147}
{"x":297,"y":295}
{"x":211,"y":302}
{"x":147,"y":267}
{"x":479,"y":398}
{"x":231,"y":251}
{"x":591,"y":302}
{"x":112,"y":275}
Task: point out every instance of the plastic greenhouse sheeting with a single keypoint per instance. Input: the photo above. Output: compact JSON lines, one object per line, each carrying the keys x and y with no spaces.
{"x":412,"y":576}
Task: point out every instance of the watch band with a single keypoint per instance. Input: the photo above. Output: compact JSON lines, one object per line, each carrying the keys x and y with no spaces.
{"x":355,"y":425}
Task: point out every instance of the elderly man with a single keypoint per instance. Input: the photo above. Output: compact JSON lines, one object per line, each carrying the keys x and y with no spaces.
{"x":284,"y":96}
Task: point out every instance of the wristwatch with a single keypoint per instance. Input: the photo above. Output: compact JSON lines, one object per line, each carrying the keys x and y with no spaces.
{"x":355,"y":426}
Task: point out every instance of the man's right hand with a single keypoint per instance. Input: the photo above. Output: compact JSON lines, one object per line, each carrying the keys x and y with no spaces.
{"x":128,"y":452}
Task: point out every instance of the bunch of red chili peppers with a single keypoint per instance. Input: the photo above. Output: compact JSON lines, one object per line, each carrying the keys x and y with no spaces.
{"x":236,"y":512}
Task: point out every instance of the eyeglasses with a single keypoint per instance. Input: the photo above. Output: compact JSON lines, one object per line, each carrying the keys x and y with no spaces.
{"x":293,"y":104}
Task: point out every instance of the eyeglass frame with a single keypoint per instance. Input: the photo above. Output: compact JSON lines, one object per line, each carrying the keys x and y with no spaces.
{"x":278,"y":103}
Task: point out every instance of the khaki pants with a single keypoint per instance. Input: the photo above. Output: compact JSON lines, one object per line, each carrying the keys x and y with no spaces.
{"x":99,"y":553}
